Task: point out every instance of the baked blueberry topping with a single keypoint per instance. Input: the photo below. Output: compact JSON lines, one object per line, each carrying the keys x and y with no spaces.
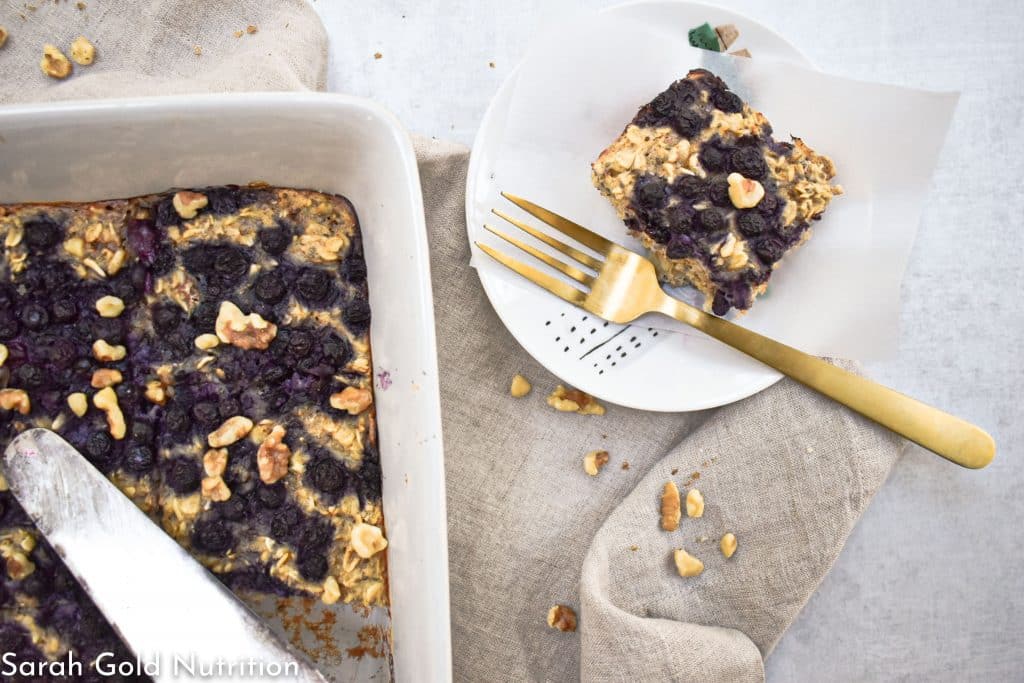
{"x":691,"y":187}
{"x":327,"y":475}
{"x":272,"y":496}
{"x":718,"y":193}
{"x":167,"y":317}
{"x":680,"y":246}
{"x":212,"y":536}
{"x":336,"y":349}
{"x":275,"y":240}
{"x":34,"y":317}
{"x":727,"y":101}
{"x":711,"y":220}
{"x":270,"y":288}
{"x":175,"y":420}
{"x":688,"y":123}
{"x":770,"y":249}
{"x":357,"y":314}
{"x":139,"y":459}
{"x":30,"y":376}
{"x":204,"y":317}
{"x":711,"y":158}
{"x":63,"y":310}
{"x":98,"y":445}
{"x":314,"y":285}
{"x":231,"y":264}
{"x":234,"y":508}
{"x":284,"y":523}
{"x":206,"y":413}
{"x":650,"y":191}
{"x":313,"y":565}
{"x":751,"y":223}
{"x":749,"y":162}
{"x":8,"y":325}
{"x":182,"y":475}
{"x":42,"y":233}
{"x":300,"y":343}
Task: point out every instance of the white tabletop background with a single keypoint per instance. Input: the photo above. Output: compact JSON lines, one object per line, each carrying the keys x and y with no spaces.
{"x":931,"y":583}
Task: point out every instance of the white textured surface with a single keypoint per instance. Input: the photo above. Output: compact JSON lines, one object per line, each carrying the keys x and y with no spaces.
{"x":929,"y":585}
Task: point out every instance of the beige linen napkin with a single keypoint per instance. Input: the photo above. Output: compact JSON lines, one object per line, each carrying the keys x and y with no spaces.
{"x":788,"y":472}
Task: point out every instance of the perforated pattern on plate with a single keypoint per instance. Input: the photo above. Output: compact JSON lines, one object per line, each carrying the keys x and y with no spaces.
{"x":603,"y":345}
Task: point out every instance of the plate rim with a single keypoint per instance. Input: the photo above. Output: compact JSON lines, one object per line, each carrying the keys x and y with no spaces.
{"x":488,"y":283}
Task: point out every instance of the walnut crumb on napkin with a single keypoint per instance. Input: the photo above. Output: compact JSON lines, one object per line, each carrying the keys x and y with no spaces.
{"x":694,"y":503}
{"x":728,"y":544}
{"x":562,"y":618}
{"x":671,"y":510}
{"x":594,"y":461}
{"x":574,"y":401}
{"x":686,"y":564}
{"x":520,"y":386}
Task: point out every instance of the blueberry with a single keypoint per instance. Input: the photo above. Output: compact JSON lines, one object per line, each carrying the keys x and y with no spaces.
{"x":270,"y":288}
{"x":665,"y":103}
{"x":206,"y":413}
{"x":212,"y":536}
{"x":357,"y":314}
{"x":720,"y":305}
{"x":142,"y":432}
{"x":680,"y":246}
{"x":751,"y":223}
{"x":139,"y":459}
{"x":336,"y":349}
{"x":98,"y":445}
{"x":204,"y":317}
{"x":749,"y":162}
{"x":198,"y":260}
{"x":229,"y":407}
{"x":234,"y":508}
{"x":231,"y":264}
{"x":284,"y":522}
{"x":9,"y":326}
{"x":354,"y":267}
{"x":314,"y":284}
{"x":167,"y":317}
{"x":34,"y":317}
{"x":275,"y":374}
{"x":711,"y":220}
{"x":163,"y":261}
{"x":300,"y":343}
{"x":63,"y":310}
{"x":271,"y":497}
{"x":275,"y":240}
{"x":41,"y":233}
{"x":175,"y":421}
{"x":711,"y":158}
{"x":166,"y":214}
{"x":222,"y":200}
{"x":691,"y":187}
{"x":31,"y":376}
{"x":313,"y":565}
{"x":327,"y":475}
{"x":770,"y":249}
{"x":680,"y":218}
{"x":718,"y":193}
{"x":316,"y":535}
{"x":650,"y":191}
{"x":727,"y":101}
{"x":38,"y":584}
{"x":688,"y":123}
{"x":182,"y":476}
{"x":768,"y":204}
{"x":109,"y":329}
{"x":657,"y":232}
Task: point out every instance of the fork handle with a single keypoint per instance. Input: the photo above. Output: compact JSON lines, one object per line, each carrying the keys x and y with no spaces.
{"x":956,"y":440}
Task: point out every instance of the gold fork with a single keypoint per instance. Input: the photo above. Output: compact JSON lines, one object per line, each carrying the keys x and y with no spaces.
{"x":624,"y":286}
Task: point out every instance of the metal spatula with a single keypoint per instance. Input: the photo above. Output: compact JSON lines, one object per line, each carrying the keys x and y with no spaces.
{"x":164,"y":604}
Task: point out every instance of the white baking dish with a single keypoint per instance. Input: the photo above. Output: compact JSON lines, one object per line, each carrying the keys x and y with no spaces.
{"x":118,"y":148}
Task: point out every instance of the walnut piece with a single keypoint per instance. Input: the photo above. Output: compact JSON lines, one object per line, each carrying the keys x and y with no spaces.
{"x":244,"y":331}
{"x":82,"y":51}
{"x":106,"y":400}
{"x":332,"y":591}
{"x":156,"y":392}
{"x":574,"y":401}
{"x":54,"y":64}
{"x":273,"y":456}
{"x":3,"y":354}
{"x":233,"y":429}
{"x":105,"y":377}
{"x":78,"y":403}
{"x":367,"y":540}
{"x":594,"y":461}
{"x":687,"y":564}
{"x":744,"y":192}
{"x":106,"y":353}
{"x":188,"y":204}
{"x":352,"y":399}
{"x":562,"y":618}
{"x":520,"y":386}
{"x":15,"y":399}
{"x":694,"y":503}
{"x":728,"y":544}
{"x":215,"y":489}
{"x":109,"y":306}
{"x":215,"y":461}
{"x":17,"y":564}
{"x":3,"y":36}
{"x":671,"y":510}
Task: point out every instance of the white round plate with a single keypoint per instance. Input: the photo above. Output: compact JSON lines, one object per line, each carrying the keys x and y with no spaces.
{"x":631,"y":365}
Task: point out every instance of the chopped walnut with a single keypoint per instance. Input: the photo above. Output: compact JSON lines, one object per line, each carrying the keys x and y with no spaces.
{"x":105,"y":377}
{"x":215,"y":461}
{"x":106,"y":400}
{"x":273,"y":456}
{"x":188,"y":204}
{"x":367,"y":540}
{"x":520,"y":386}
{"x":244,"y":331}
{"x":574,"y":401}
{"x":694,"y":503}
{"x":353,"y":399}
{"x":3,"y":354}
{"x":671,"y":510}
{"x":79,"y":403}
{"x":156,"y":392}
{"x":17,"y":564}
{"x":106,"y":353}
{"x":332,"y":591}
{"x":233,"y":429}
{"x":3,"y":36}
{"x":687,"y":564}
{"x":728,"y":544}
{"x":215,"y":489}
{"x":54,"y":64}
{"x":82,"y":51}
{"x":562,"y":618}
{"x":207,"y":341}
{"x":594,"y":461}
{"x":15,"y":399}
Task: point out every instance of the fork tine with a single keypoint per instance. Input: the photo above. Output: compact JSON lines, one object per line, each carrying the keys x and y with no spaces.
{"x":557,"y":287}
{"x":586,"y":259}
{"x":575,"y":273}
{"x":573,"y":230}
